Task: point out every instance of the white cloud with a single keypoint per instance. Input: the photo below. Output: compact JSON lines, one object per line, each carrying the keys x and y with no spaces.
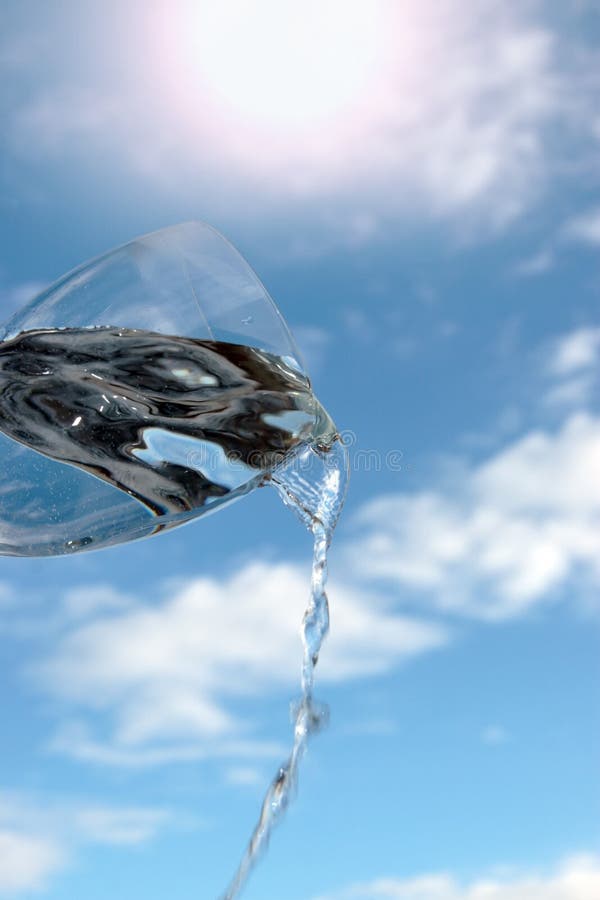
{"x":244,"y":776}
{"x":577,"y":878}
{"x":571,"y":393}
{"x":93,"y":600}
{"x":475,"y":142}
{"x":537,"y":264}
{"x":503,"y":537}
{"x":474,"y":139}
{"x":168,"y":671}
{"x":573,"y":368}
{"x":74,"y":739}
{"x":117,"y":827}
{"x":576,"y":351}
{"x":582,"y":228}
{"x":40,"y":837}
{"x":27,"y":861}
{"x":585,"y":228}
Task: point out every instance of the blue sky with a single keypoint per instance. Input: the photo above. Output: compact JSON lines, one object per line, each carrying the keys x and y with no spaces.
{"x":417,"y":185}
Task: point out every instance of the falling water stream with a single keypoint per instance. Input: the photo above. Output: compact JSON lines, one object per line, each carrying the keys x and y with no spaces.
{"x":313,"y":484}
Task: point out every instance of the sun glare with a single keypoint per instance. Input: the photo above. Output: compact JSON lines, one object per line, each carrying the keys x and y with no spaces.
{"x":280,"y":66}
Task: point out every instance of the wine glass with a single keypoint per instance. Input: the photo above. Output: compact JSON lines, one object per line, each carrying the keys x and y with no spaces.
{"x":112,"y":348}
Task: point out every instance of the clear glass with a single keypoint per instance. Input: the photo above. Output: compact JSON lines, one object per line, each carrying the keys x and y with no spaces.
{"x":185,"y":281}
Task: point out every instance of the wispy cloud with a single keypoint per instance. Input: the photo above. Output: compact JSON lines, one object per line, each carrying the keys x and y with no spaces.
{"x":166,"y":672}
{"x":579,"y":350}
{"x":577,"y":878}
{"x":503,"y":537}
{"x":584,"y":228}
{"x":77,"y":739}
{"x":119,"y":826}
{"x":244,"y":776}
{"x":477,"y":143}
{"x":538,"y":264}
{"x":573,"y":368}
{"x":28,"y":861}
{"x":40,"y":837}
{"x":581,"y":229}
